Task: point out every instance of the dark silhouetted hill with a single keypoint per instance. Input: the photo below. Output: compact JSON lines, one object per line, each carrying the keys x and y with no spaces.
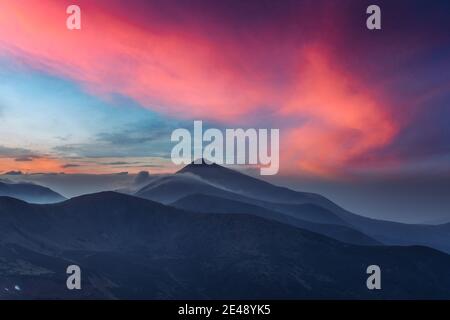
{"x":131,"y":248}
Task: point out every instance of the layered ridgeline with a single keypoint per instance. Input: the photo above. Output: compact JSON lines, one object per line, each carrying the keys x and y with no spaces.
{"x":129,"y":247}
{"x":29,"y":192}
{"x":216,"y":189}
{"x":211,"y":232}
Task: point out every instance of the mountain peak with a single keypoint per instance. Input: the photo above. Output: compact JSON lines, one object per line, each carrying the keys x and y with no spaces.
{"x":201,"y":164}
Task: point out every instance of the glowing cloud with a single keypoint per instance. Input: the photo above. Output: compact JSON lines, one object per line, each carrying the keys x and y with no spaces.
{"x":37,"y":165}
{"x":343,"y":119}
{"x":328,"y":116}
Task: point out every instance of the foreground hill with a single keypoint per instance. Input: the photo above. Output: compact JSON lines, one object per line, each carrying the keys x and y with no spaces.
{"x":135,"y":248}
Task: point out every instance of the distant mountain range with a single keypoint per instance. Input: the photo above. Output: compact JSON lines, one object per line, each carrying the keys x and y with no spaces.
{"x":29,"y":192}
{"x":208,"y":232}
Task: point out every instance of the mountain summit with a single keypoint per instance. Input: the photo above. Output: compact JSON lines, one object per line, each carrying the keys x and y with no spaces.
{"x":203,"y":165}
{"x":244,"y":184}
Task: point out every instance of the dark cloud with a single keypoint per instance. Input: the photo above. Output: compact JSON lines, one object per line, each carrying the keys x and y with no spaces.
{"x":108,"y":150}
{"x":70,"y":165}
{"x":142,"y":177}
{"x":64,"y":138}
{"x":14,"y":173}
{"x":119,"y":163}
{"x":150,"y":166}
{"x":24,"y":159}
{"x":149,"y":138}
{"x":129,"y":137}
{"x":7,"y":152}
{"x":139,"y":133}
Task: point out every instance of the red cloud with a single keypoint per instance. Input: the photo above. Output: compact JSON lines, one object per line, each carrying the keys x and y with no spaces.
{"x":328,"y":116}
{"x":343,"y":118}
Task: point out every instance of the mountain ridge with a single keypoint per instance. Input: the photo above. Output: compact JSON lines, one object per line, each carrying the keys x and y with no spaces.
{"x":29,"y":192}
{"x":145,"y":250}
{"x":219,"y":181}
{"x":212,"y":204}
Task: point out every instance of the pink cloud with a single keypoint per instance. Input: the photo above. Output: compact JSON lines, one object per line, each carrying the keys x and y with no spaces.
{"x":330,"y":117}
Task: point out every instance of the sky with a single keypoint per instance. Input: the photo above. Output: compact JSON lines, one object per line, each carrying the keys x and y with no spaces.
{"x":364,"y":116}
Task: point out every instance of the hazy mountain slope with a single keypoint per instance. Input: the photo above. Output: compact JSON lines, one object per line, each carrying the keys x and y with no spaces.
{"x":135,"y":248}
{"x":289,"y":202}
{"x":306,"y":211}
{"x":394,"y":233}
{"x":169,"y":189}
{"x":212,"y":204}
{"x":29,"y":192}
{"x":246,"y":185}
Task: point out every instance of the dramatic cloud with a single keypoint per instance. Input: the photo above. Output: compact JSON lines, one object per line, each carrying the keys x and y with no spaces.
{"x":311,"y":69}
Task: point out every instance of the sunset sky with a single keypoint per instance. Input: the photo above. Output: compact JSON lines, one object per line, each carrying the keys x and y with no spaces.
{"x":350,"y":103}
